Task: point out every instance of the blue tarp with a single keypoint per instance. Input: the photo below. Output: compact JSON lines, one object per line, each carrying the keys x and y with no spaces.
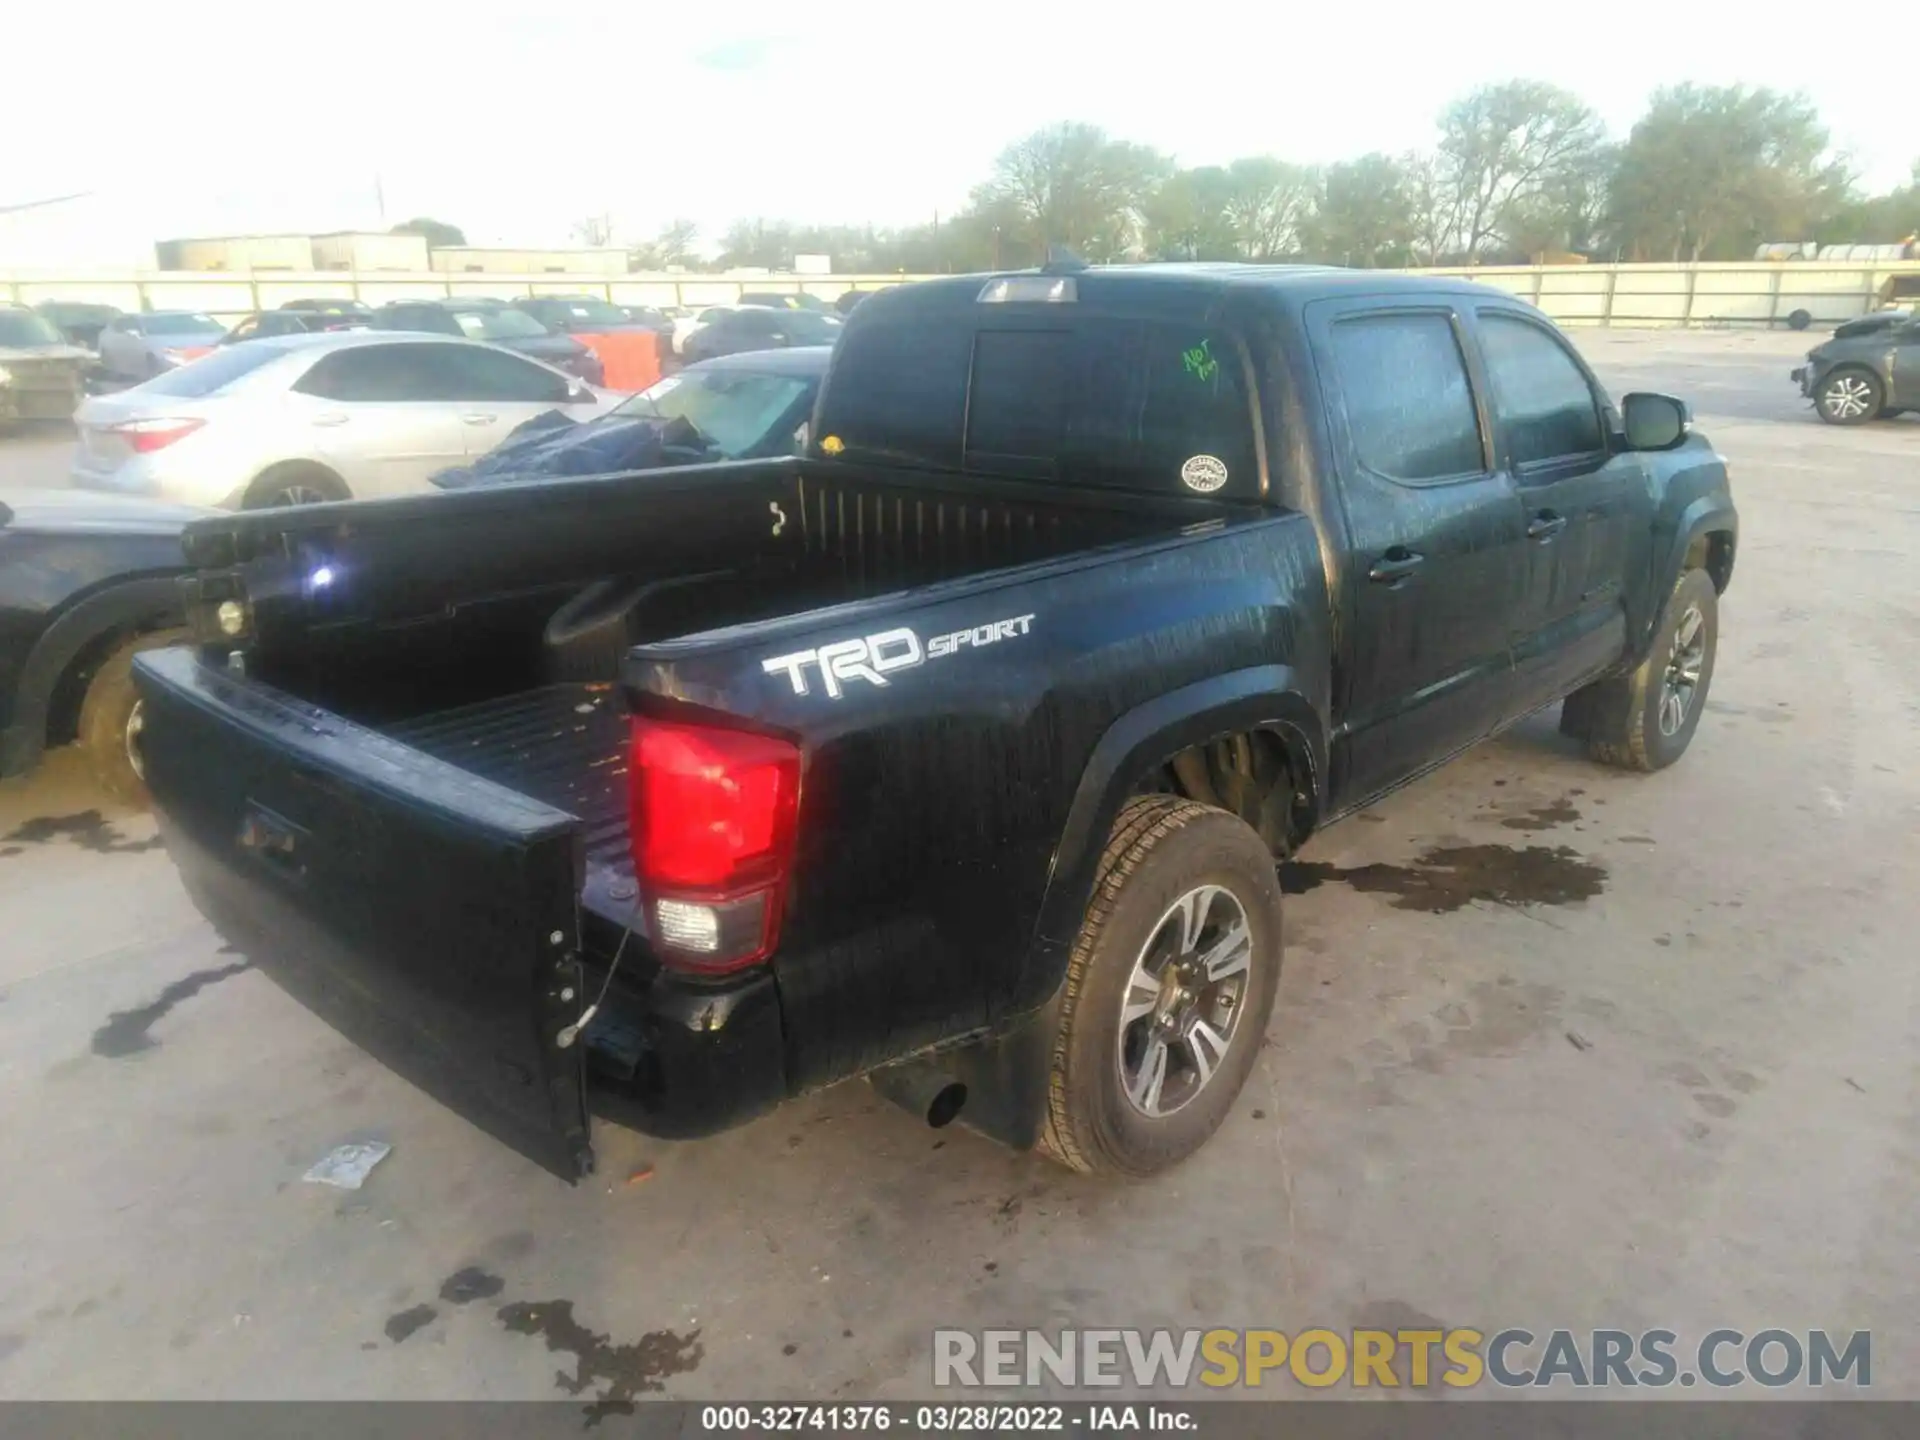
{"x":553,"y":445}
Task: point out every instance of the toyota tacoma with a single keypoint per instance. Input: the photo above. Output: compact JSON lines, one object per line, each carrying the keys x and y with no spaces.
{"x":955,"y":753}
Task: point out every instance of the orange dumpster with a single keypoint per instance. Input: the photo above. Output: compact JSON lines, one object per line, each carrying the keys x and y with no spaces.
{"x":631,"y":357}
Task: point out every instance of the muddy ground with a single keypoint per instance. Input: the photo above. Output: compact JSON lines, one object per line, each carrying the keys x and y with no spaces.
{"x":1556,"y":1046}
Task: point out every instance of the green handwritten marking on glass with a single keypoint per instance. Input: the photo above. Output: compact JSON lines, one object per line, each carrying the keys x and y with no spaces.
{"x":1199,"y":361}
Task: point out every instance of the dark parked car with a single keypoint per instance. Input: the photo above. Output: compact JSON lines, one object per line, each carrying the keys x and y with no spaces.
{"x":785,"y":300}
{"x":1868,"y":371}
{"x":331,"y":314}
{"x":497,"y":323}
{"x":41,"y":371}
{"x":80,"y":321}
{"x":653,"y":317}
{"x":759,"y":328}
{"x":86,"y":582}
{"x":629,"y":352}
{"x":265,"y":323}
{"x":957,"y":753}
{"x":739,"y":407}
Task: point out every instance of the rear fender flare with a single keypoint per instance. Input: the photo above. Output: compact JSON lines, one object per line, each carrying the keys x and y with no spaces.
{"x":129,"y":606}
{"x":1266,"y":698}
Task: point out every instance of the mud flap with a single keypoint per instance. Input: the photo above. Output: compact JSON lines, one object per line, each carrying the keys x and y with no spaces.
{"x":428,"y":916}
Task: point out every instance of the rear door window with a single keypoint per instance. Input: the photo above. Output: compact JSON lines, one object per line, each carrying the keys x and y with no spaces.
{"x":372,"y":374}
{"x":1409,"y":407}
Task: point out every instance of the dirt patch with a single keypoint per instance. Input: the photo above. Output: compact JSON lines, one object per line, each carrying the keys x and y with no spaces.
{"x":1450,"y":877}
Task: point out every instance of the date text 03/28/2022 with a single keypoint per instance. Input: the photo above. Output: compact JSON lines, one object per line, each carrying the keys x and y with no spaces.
{"x":936,"y":1419}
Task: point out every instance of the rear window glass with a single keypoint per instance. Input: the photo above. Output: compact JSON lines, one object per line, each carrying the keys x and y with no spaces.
{"x":211,"y":372}
{"x":26,"y":329}
{"x":1122,"y":404}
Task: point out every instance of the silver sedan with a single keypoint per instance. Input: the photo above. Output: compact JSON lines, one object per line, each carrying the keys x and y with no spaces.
{"x":297,"y":419}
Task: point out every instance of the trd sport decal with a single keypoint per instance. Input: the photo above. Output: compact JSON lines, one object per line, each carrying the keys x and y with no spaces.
{"x":874,"y":657}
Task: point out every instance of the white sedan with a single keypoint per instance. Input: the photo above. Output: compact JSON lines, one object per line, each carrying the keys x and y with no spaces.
{"x":298,"y":419}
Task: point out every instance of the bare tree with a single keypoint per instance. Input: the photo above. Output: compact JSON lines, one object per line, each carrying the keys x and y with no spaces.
{"x":1269,"y":203}
{"x":1434,"y":217}
{"x":594,"y":230}
{"x":1504,"y":144}
{"x":673,"y":246}
{"x":1074,"y":185}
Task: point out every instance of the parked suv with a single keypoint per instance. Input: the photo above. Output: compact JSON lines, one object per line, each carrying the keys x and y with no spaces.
{"x":1870,"y":374}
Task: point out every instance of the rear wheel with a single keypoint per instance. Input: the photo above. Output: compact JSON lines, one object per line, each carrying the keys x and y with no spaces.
{"x":1168,"y":992}
{"x":1850,"y":396}
{"x":111,"y":719}
{"x":297,"y":484}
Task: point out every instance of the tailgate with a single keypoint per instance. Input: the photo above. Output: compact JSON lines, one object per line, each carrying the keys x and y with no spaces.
{"x":426,"y":914}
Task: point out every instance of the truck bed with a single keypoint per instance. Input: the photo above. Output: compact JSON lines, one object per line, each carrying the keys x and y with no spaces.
{"x":563,"y":745}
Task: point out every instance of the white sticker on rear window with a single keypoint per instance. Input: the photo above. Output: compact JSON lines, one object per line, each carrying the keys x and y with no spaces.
{"x":1205,"y":473}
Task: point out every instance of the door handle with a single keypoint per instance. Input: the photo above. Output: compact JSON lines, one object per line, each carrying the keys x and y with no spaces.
{"x":1396,"y":565}
{"x":330,"y":419}
{"x":478,"y":419}
{"x":1545,"y":525}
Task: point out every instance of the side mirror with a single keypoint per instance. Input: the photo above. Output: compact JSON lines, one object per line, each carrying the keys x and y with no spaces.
{"x":1654,"y":422}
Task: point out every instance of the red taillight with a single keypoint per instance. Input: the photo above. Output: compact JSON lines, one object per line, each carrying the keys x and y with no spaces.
{"x":713,"y":815}
{"x":146,"y":436}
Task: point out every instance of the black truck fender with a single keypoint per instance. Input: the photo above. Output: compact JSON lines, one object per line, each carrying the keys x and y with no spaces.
{"x":122,"y":607}
{"x":1707,"y":525}
{"x":1005,"y":1075}
{"x":1262,"y":698}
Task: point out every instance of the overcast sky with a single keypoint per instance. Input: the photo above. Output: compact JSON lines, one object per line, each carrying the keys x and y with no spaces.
{"x":514,"y":118}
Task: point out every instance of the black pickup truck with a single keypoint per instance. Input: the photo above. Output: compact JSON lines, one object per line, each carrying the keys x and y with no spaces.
{"x":955,"y":753}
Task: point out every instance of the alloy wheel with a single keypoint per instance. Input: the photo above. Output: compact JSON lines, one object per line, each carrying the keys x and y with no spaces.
{"x":1681,"y":679}
{"x":1182,"y":1005}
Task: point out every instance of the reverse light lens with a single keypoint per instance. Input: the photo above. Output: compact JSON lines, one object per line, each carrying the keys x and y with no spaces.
{"x":144,"y":437}
{"x":714,"y":814}
{"x":687,"y":927}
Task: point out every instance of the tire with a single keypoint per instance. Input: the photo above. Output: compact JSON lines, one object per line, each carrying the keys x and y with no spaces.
{"x":295,"y":484}
{"x":1628,"y":720}
{"x":110,"y":719}
{"x":1850,"y":396}
{"x":1799,"y":319}
{"x":1162,"y":851}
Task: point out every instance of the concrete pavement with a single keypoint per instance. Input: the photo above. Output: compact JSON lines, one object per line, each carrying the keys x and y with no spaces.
{"x":1668,"y":1078}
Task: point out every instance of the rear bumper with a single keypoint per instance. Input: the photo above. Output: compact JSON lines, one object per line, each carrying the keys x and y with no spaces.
{"x":684,"y":1059}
